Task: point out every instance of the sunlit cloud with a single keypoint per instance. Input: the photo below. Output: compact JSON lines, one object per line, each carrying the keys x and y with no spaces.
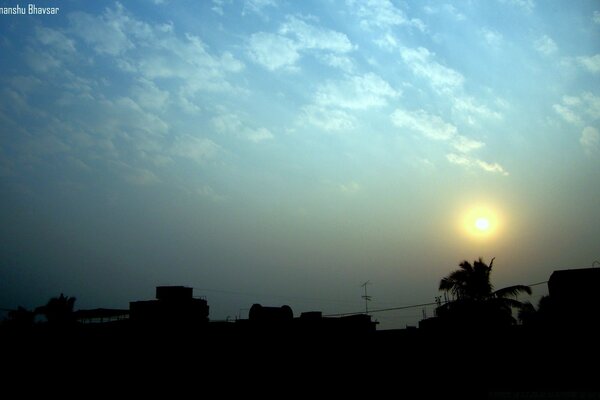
{"x":421,"y":62}
{"x":428,"y":125}
{"x":466,"y":145}
{"x":466,"y":161}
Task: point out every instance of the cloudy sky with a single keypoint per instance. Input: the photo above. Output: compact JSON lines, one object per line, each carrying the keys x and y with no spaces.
{"x":286,"y":152}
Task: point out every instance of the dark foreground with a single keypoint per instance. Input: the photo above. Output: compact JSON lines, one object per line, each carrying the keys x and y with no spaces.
{"x":223,"y":362}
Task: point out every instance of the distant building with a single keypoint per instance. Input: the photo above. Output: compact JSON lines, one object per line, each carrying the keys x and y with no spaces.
{"x":101,"y":315}
{"x":259,"y":313}
{"x":574,"y":295}
{"x":174,"y":305}
{"x":282,"y":318}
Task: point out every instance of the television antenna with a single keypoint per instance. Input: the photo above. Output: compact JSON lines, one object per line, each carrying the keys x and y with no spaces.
{"x":366,"y":296}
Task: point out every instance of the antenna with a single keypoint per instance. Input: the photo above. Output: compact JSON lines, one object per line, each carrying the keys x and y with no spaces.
{"x":366,"y":297}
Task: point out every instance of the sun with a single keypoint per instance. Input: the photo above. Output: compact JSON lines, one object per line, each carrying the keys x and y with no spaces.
{"x":482,"y":224}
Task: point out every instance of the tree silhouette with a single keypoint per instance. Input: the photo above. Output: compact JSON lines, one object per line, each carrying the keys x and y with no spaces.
{"x":476,"y":301}
{"x":20,"y":318}
{"x":58,"y":310}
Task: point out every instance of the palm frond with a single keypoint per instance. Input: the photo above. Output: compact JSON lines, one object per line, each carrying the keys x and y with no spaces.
{"x":511,"y":291}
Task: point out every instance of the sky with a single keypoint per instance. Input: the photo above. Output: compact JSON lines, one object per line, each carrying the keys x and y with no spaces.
{"x":286,"y":152}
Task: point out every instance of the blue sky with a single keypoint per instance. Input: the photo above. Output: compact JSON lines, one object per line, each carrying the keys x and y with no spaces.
{"x":286,"y":152}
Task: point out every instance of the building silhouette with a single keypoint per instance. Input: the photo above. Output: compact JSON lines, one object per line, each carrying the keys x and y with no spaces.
{"x":174,"y":306}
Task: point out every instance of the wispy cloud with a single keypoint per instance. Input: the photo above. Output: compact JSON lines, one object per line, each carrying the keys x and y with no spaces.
{"x":579,"y":109}
{"x":492,"y":38}
{"x":596,"y":17}
{"x":356,"y":92}
{"x":590,"y":140}
{"x":430,"y":126}
{"x":545,"y":45}
{"x":469,"y":109}
{"x":525,"y":5}
{"x":582,"y":111}
{"x":421,"y":62}
{"x":446,"y":9}
{"x":435,"y":128}
{"x":231,"y":124}
{"x":590,"y":63}
{"x":295,"y":37}
{"x":257,"y":6}
{"x":327,"y":119}
{"x":350,"y":187}
{"x":466,"y":145}
{"x":382,"y":14}
{"x":273,"y":51}
{"x":206,"y":191}
{"x":470,"y":162}
{"x":198,"y":149}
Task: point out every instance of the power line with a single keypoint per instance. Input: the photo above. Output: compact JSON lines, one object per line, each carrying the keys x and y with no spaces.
{"x":381,"y":310}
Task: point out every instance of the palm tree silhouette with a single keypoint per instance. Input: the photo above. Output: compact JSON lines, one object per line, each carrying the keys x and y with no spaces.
{"x":476,"y":301}
{"x":58,"y":310}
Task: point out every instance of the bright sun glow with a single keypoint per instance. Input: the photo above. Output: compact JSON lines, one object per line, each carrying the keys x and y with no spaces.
{"x":481,"y":222}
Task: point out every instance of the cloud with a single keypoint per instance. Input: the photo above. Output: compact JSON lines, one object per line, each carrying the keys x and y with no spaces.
{"x":313,"y":37}
{"x":218,"y":6}
{"x":430,"y":126}
{"x":591,"y":63}
{"x":545,"y":45}
{"x":469,"y":162}
{"x":110,"y":32}
{"x":421,"y":63}
{"x":257,"y":6}
{"x":231,"y":124}
{"x":466,"y":145}
{"x":273,"y":51}
{"x":596,"y":17}
{"x":356,"y":92}
{"x":155,"y":51}
{"x":350,"y":187}
{"x":141,"y":177}
{"x":590,"y":140}
{"x":342,"y":62}
{"x":147,"y":94}
{"x":294,"y":37}
{"x":55,"y":39}
{"x":328,"y":119}
{"x":468,"y":109}
{"x":209,"y":193}
{"x":567,"y":114}
{"x":198,"y":149}
{"x":492,"y":38}
{"x":525,"y":5}
{"x":578,"y":109}
{"x":382,"y":14}
{"x":447,"y":9}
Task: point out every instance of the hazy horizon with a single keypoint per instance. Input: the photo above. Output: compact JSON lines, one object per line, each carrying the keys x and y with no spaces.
{"x":286,"y":152}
